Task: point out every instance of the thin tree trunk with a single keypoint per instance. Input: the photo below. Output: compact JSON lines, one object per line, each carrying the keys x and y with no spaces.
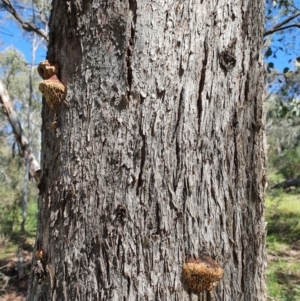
{"x":27,"y":152}
{"x":22,"y":238}
{"x":158,"y":154}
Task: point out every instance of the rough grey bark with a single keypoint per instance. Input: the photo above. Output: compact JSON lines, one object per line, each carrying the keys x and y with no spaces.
{"x":158,"y":154}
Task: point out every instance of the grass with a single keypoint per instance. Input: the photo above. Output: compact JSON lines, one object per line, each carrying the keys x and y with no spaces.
{"x":283,"y":245}
{"x":283,"y":216}
{"x":10,"y":239}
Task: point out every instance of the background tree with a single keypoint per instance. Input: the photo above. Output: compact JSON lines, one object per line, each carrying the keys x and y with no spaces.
{"x":21,"y":107}
{"x":19,"y":77}
{"x":282,"y":48}
{"x":15,"y":75}
{"x":158,"y":154}
{"x":32,"y":15}
{"x":282,"y":77}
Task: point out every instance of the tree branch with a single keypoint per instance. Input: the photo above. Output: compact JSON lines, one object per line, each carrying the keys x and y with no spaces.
{"x":268,"y":32}
{"x":288,"y":183}
{"x":27,"y":153}
{"x":25,"y":25}
{"x":279,"y":26}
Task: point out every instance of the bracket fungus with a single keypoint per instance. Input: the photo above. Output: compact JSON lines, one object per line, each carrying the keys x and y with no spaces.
{"x":51,"y":87}
{"x":53,"y":91}
{"x":46,"y":70}
{"x":202,"y":274}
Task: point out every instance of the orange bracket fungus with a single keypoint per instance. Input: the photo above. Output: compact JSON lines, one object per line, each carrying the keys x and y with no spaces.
{"x":202,"y":274}
{"x":52,"y":89}
{"x":46,"y":70}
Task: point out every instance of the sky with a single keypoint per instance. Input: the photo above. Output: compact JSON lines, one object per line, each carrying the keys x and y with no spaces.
{"x":11,"y":34}
{"x":285,"y":44}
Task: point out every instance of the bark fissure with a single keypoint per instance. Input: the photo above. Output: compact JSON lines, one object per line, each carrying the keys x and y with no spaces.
{"x":235,"y":125}
{"x":142,"y":161}
{"x":246,"y":89}
{"x":158,"y":230}
{"x":202,"y":83}
{"x":128,"y":63}
{"x":178,"y":113}
{"x":178,"y":160}
{"x":176,"y":134}
{"x":133,"y":9}
{"x":130,"y":47}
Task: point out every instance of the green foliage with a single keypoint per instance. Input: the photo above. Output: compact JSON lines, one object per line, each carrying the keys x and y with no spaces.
{"x":12,"y":174}
{"x":15,"y":73}
{"x":281,"y":44}
{"x":269,"y":53}
{"x":283,"y":138}
{"x":32,"y":210}
{"x":288,"y":164}
{"x":286,"y":69}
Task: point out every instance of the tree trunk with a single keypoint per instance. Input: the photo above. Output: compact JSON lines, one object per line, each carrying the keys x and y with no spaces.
{"x":158,"y":153}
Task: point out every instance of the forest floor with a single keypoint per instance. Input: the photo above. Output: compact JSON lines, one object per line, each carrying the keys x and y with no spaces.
{"x":13,"y":288}
{"x":283,"y":274}
{"x":283,"y":250}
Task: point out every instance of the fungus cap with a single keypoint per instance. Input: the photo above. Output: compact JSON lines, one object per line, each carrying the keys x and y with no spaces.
{"x":202,"y":274}
{"x":53,"y":91}
{"x":46,"y":70}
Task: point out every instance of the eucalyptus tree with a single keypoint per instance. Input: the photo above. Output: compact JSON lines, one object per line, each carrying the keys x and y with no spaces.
{"x":19,"y":97}
{"x":282,"y":48}
{"x":18,"y":94}
{"x":155,"y":154}
{"x":24,"y":116}
{"x":32,"y":16}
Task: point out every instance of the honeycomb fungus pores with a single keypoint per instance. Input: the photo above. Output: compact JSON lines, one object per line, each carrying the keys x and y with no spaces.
{"x":202,"y":274}
{"x":46,"y":70}
{"x":53,"y":91}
